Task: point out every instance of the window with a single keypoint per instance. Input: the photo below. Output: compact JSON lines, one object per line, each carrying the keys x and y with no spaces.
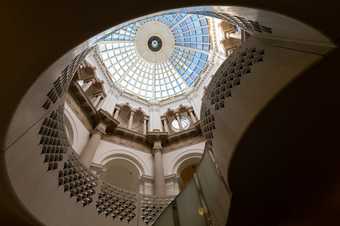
{"x":158,"y":81}
{"x":183,"y":122}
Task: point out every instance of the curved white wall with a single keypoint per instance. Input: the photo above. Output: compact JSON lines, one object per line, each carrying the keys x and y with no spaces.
{"x":80,"y":132}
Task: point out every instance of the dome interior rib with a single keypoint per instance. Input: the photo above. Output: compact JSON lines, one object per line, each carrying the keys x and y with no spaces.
{"x":155,"y":81}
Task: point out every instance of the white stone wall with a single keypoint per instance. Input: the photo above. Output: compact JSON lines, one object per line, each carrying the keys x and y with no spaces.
{"x":80,"y":132}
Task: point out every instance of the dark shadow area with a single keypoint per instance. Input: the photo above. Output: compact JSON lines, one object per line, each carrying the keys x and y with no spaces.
{"x":285,"y":170}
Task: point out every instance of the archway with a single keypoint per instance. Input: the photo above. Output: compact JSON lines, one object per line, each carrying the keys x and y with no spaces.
{"x":186,"y":171}
{"x":122,"y":173}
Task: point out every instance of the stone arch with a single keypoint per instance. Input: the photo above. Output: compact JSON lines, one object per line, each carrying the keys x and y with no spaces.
{"x":184,"y":159}
{"x":135,"y":160}
{"x":187,"y":162}
{"x":185,"y":166}
{"x":70,"y":128}
{"x":122,"y":173}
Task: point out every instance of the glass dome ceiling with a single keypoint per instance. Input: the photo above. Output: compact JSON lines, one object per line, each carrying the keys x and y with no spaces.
{"x":157,"y":57}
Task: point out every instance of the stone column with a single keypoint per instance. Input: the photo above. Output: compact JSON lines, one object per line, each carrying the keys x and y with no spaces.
{"x":97,"y":100}
{"x":86,"y":156}
{"x":179,"y":121}
{"x":159,"y":180}
{"x":116,"y":113}
{"x":141,"y":185}
{"x":98,"y":105}
{"x":176,"y":185}
{"x":145,"y":125}
{"x":166,"y":128}
{"x":87,"y":85}
{"x":131,"y":119}
{"x":192,"y":116}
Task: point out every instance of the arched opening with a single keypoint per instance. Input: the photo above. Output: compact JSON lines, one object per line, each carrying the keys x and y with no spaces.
{"x":121,"y":173}
{"x":186,"y":171}
{"x":185,"y":176}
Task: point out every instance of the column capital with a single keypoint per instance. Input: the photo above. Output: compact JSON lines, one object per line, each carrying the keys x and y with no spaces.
{"x":132,"y":113}
{"x":96,"y":131}
{"x":157,"y":146}
{"x":100,"y":128}
{"x":145,"y":178}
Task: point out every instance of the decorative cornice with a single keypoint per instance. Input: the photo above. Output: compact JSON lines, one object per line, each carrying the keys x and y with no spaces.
{"x":83,"y":101}
{"x":146,"y":178}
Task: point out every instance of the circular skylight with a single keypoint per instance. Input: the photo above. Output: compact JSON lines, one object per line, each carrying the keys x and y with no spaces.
{"x":158,"y":57}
